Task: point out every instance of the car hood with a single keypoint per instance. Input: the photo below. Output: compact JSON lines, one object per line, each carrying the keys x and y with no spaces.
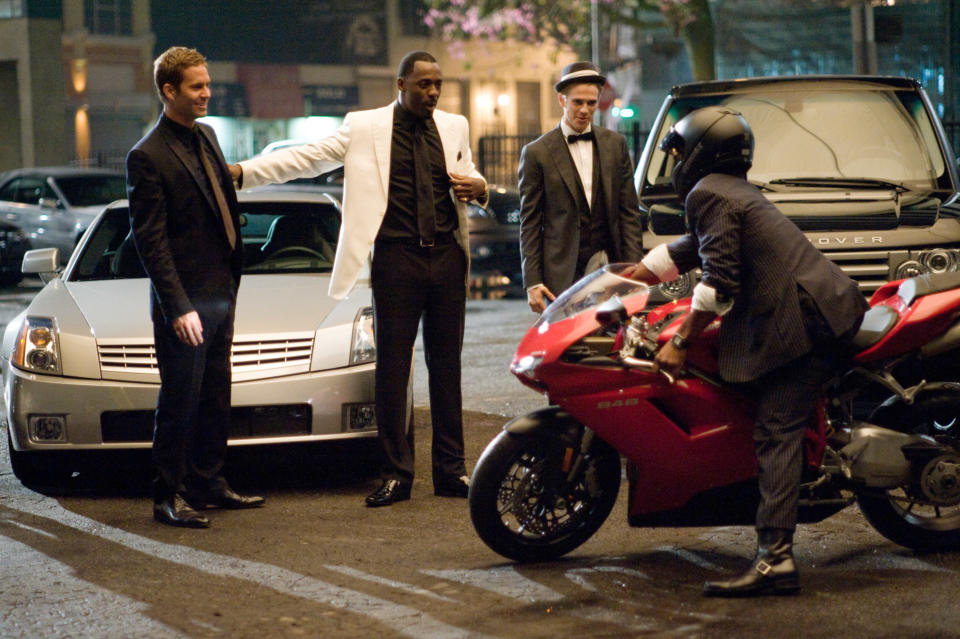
{"x":265,"y":304}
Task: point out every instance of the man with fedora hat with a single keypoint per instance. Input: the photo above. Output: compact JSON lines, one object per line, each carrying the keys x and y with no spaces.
{"x":578,"y":204}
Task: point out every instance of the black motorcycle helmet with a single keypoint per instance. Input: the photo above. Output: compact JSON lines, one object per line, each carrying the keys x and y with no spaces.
{"x":713,"y":139}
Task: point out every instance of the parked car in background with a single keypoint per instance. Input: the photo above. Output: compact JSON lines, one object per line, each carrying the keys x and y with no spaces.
{"x":860,"y":164}
{"x":13,"y":245}
{"x":54,"y":205}
{"x":495,"y":239}
{"x":80,"y":371}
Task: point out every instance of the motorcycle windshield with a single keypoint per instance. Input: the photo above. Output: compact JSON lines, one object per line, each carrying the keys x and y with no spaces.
{"x":596,"y":288}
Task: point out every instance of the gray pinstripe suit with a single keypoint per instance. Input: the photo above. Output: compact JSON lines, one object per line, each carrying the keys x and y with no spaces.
{"x":791,"y":305}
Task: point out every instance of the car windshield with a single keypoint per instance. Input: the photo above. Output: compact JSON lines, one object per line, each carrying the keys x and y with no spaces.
{"x":92,"y":190}
{"x":278,"y":237}
{"x":841,"y":132}
{"x":596,"y":288}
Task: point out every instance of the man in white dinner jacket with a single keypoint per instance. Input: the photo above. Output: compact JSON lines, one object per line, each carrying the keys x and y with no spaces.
{"x":408,"y":175}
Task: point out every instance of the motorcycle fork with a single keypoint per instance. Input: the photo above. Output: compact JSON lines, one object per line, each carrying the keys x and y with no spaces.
{"x":571,"y":451}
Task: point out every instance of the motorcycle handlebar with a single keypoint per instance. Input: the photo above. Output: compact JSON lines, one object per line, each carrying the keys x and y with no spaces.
{"x":647,"y":366}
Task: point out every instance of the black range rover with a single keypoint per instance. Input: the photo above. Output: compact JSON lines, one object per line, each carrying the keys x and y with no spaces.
{"x":860,"y":164}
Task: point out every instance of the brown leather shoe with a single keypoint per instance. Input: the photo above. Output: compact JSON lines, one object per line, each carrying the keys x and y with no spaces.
{"x":391,"y":491}
{"x":175,"y":511}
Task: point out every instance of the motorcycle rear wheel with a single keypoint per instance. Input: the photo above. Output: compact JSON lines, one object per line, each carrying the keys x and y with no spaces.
{"x":521,"y":518}
{"x":904,"y":515}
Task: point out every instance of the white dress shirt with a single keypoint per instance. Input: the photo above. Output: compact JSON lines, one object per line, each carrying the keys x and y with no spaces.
{"x":581,"y":152}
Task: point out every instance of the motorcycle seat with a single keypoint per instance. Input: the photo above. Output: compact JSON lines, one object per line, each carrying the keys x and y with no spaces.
{"x":876,"y":323}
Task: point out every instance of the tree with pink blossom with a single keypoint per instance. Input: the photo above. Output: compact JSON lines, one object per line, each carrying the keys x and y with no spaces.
{"x":567,"y":23}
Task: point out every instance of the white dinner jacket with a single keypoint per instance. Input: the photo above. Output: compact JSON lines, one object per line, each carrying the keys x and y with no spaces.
{"x":362,"y":145}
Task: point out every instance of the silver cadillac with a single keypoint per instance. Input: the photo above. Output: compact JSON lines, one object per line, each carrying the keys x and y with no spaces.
{"x":79,"y":368}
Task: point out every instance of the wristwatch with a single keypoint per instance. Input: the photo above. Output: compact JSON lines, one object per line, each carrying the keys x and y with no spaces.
{"x":679,"y":341}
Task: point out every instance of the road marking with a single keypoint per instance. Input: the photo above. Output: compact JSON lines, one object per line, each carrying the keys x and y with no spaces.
{"x":692,"y":558}
{"x":401,"y":619}
{"x":505,"y":581}
{"x":576,"y":575}
{"x":54,"y":602}
{"x":36,"y":531}
{"x":398,"y":585}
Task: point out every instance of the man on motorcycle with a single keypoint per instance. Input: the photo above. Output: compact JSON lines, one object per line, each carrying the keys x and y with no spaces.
{"x":787,"y":311}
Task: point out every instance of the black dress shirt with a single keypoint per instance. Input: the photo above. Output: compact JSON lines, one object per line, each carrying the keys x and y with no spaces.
{"x":400,"y":221}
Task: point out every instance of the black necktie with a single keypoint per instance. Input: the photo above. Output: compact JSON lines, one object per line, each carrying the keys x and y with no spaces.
{"x":582,"y":136}
{"x":423,"y":175}
{"x":217,"y":192}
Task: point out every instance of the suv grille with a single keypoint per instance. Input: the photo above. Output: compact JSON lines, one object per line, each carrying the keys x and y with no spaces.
{"x":869,"y":269}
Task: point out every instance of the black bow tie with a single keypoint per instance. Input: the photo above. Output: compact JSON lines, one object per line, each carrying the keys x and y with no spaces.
{"x":583,"y":136}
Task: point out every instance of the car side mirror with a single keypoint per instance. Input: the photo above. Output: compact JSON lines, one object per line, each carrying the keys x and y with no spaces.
{"x":667,"y":220}
{"x":49,"y":203}
{"x":42,"y":262}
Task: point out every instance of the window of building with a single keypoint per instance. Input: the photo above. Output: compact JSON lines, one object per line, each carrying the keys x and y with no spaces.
{"x":11,"y":8}
{"x":411,"y":18}
{"x":108,"y":17}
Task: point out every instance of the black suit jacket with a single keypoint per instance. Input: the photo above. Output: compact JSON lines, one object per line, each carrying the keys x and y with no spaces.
{"x":175,"y":222}
{"x":754,"y":255}
{"x":549,"y":211}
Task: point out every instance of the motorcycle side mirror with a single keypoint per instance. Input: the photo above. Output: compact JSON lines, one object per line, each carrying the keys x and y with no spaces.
{"x":611,"y":312}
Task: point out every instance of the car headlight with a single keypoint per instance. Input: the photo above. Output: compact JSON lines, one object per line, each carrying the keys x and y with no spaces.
{"x":37,"y":347}
{"x":363,"y":347}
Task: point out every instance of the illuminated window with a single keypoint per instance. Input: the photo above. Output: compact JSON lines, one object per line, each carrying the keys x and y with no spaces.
{"x":11,"y":8}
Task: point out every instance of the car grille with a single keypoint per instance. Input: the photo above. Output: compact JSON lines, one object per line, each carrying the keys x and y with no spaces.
{"x":869,"y":269}
{"x":251,"y":359}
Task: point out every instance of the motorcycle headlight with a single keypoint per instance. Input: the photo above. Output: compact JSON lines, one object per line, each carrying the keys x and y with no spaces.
{"x":527,"y":365}
{"x":363,"y":346}
{"x":37,"y":347}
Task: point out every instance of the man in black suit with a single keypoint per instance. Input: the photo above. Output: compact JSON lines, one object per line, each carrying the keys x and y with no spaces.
{"x":577,"y":198}
{"x":787,"y":313}
{"x":184,"y":222}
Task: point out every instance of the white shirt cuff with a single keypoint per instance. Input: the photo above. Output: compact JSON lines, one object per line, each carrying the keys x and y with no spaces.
{"x":659,"y":263}
{"x":705,"y":299}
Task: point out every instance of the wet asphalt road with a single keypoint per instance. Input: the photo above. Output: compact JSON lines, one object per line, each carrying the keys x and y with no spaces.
{"x":89,"y":561}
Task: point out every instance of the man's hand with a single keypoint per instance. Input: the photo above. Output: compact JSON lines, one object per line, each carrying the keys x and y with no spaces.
{"x":189,"y":329}
{"x":236,"y":171}
{"x":538,"y":297}
{"x":670,"y":358}
{"x":466,"y":188}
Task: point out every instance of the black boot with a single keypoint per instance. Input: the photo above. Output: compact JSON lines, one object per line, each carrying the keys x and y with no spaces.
{"x":772,"y":571}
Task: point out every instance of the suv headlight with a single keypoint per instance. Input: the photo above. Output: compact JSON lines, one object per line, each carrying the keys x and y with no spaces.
{"x":37,"y":348}
{"x":363,"y":347}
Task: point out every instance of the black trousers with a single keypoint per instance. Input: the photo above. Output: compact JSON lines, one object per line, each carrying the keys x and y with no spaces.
{"x":787,"y":404}
{"x":193,"y":410}
{"x":411,"y":283}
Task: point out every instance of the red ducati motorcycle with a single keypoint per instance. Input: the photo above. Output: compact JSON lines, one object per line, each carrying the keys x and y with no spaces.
{"x":886,"y":438}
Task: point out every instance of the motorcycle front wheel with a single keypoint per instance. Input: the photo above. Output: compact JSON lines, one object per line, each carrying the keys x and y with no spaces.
{"x":925,"y":514}
{"x":523,"y":514}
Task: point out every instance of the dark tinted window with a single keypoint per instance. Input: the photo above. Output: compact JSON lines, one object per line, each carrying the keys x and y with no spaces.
{"x":278,"y":237}
{"x":92,"y":190}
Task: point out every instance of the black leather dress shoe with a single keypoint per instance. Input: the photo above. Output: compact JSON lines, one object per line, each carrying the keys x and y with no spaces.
{"x":452,"y":487}
{"x":224,"y":497}
{"x":175,"y":511}
{"x":392,"y":490}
